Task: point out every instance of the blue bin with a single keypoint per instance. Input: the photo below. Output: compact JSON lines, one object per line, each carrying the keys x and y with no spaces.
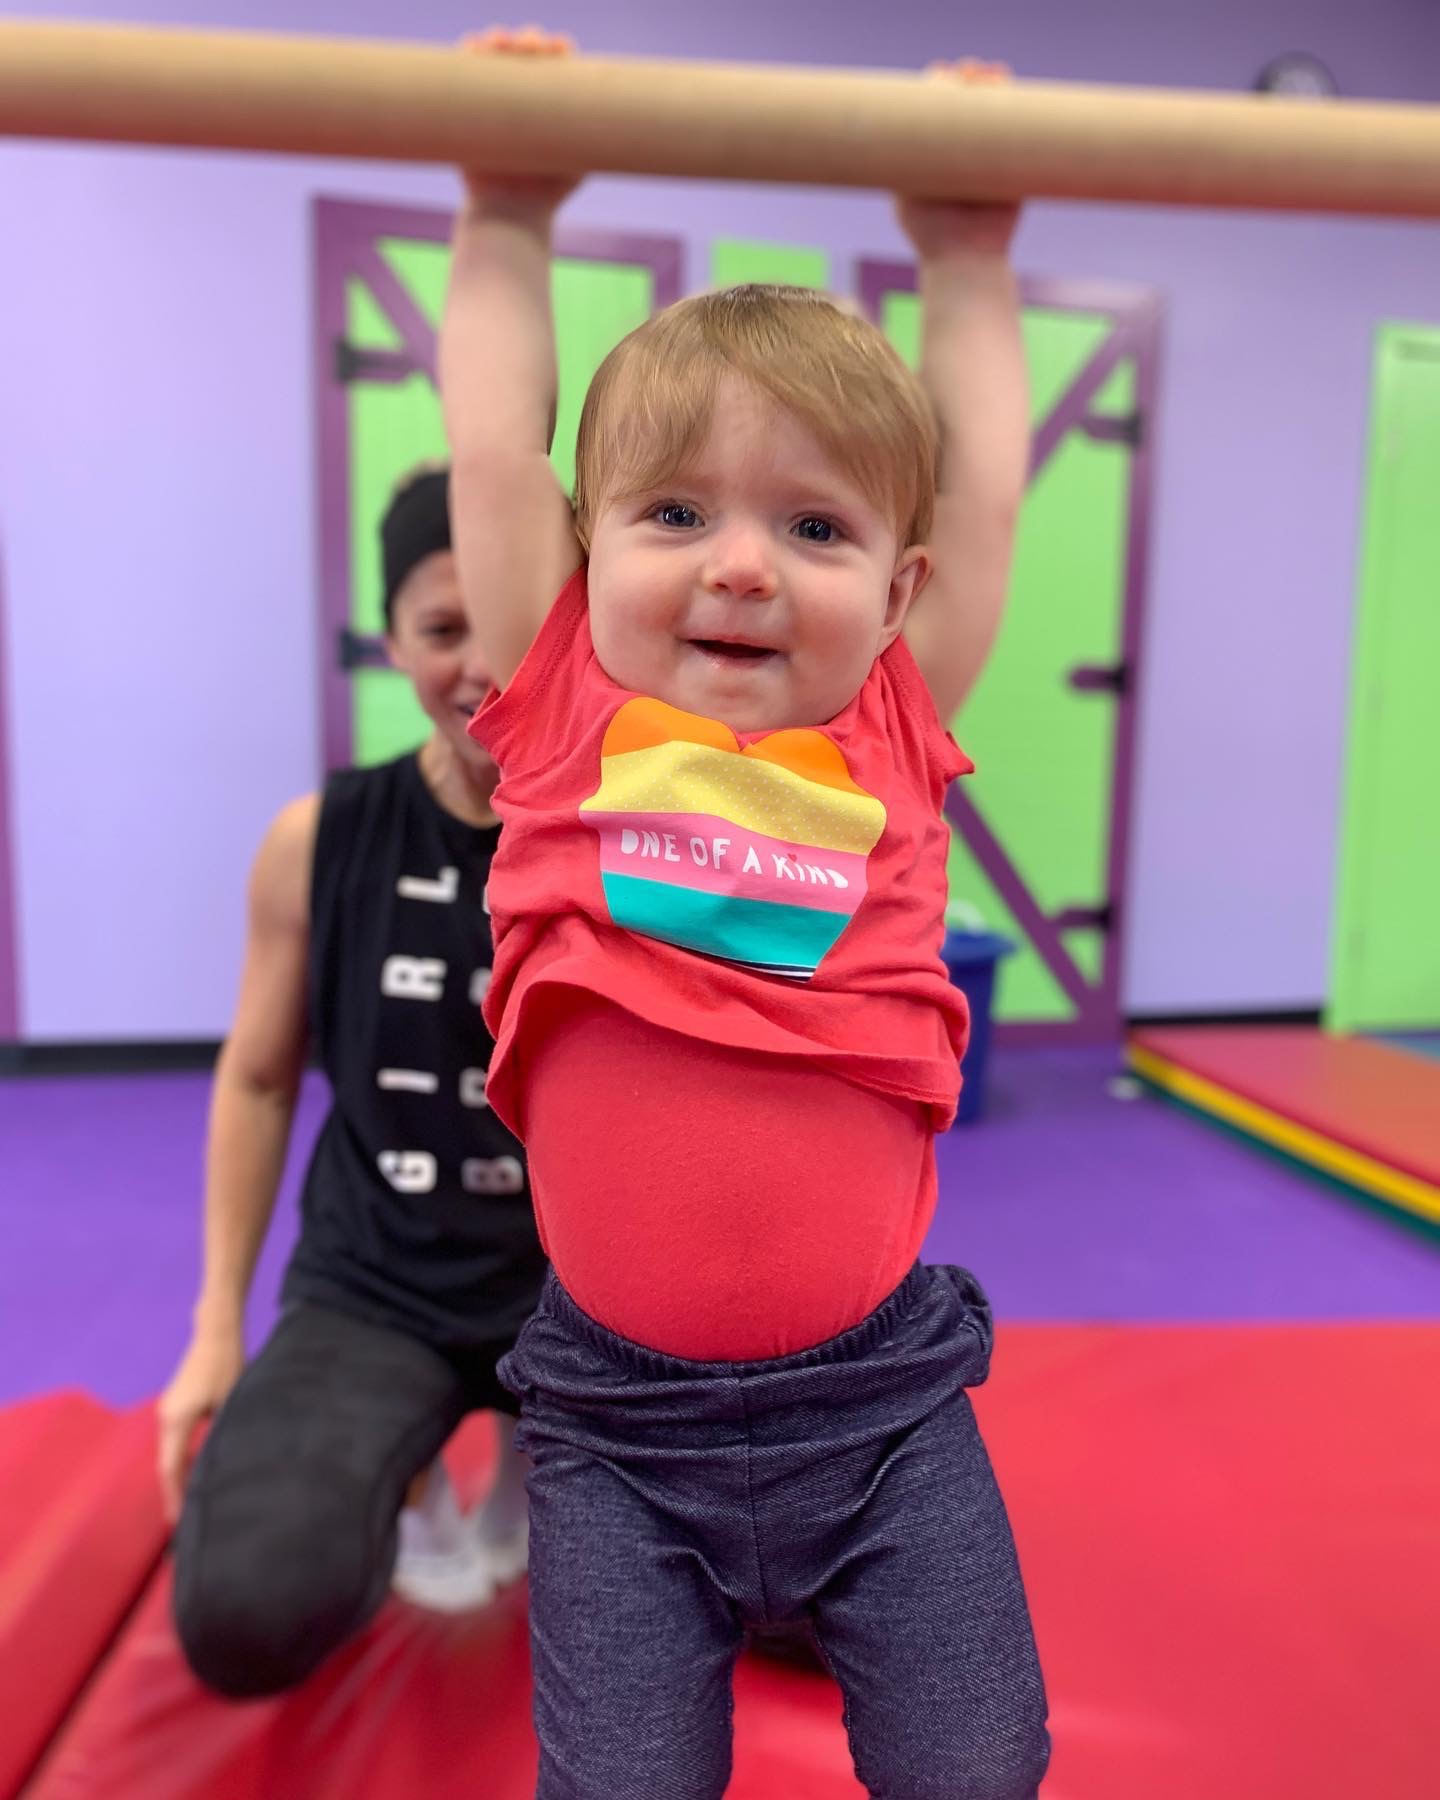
{"x":972,"y":958}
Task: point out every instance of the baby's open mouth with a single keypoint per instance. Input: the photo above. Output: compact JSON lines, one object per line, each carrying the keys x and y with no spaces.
{"x":732,"y":652}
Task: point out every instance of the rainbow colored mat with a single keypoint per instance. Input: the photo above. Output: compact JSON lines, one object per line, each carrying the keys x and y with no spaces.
{"x":1363,"y":1113}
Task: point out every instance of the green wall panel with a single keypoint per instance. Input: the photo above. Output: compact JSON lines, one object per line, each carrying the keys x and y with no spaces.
{"x":395,"y":425}
{"x":1044,"y":753}
{"x":1385,"y":945}
{"x":737,"y":260}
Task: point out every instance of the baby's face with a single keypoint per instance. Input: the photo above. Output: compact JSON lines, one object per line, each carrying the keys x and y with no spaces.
{"x":759,"y":587}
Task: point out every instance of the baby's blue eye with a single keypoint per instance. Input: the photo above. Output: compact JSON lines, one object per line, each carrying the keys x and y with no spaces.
{"x":816,"y":531}
{"x":679,"y":518}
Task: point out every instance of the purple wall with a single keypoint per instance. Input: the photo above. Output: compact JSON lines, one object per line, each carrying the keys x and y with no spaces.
{"x":157,"y":514}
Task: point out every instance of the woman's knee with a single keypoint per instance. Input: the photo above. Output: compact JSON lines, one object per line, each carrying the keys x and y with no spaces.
{"x":257,"y":1615}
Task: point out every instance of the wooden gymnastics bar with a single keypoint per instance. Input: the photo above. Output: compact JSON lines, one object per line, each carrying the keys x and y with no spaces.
{"x":835,"y":128}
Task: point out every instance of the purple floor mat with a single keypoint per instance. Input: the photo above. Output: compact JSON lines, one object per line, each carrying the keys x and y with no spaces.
{"x":1068,"y":1203}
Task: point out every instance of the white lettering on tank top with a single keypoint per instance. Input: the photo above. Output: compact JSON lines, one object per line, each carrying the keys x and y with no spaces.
{"x":480,"y":985}
{"x":442,"y":891}
{"x":409,"y":1171}
{"x":407,"y":1081}
{"x":492,"y":1175}
{"x":413,"y":978}
{"x":472,"y":1087}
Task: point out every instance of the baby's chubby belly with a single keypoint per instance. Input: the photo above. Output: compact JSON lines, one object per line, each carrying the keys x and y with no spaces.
{"x":713,"y":1203}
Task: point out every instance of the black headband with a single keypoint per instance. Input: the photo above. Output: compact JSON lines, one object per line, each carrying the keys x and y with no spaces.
{"x":416,"y":525}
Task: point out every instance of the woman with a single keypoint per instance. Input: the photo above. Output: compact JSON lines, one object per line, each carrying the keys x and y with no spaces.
{"x":418,"y":1260}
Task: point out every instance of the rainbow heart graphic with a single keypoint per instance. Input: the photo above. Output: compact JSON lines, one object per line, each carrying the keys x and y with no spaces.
{"x":756,"y":855}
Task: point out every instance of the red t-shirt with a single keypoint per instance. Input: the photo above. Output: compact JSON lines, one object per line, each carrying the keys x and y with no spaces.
{"x":773,"y":893}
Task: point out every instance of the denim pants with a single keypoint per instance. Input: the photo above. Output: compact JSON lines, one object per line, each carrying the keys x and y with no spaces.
{"x":673,"y":1504}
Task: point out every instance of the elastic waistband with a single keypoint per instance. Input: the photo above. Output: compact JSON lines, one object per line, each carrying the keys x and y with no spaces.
{"x":856,"y":1342}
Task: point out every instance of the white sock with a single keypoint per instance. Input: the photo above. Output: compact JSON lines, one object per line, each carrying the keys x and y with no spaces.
{"x":504,"y":1509}
{"x":434,"y":1525}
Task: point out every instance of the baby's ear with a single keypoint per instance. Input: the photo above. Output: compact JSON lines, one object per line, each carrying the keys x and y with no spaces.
{"x":911,"y":573}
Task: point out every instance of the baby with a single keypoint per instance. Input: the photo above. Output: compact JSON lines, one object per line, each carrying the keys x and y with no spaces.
{"x":723,"y":1030}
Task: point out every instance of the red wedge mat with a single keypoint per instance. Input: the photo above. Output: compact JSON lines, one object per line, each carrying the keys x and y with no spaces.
{"x":1231,"y":1543}
{"x":1369,"y":1097}
{"x":80,"y":1533}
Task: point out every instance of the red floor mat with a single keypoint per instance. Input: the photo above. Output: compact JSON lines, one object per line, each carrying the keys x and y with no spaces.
{"x":1230,"y":1536}
{"x":80,"y":1532}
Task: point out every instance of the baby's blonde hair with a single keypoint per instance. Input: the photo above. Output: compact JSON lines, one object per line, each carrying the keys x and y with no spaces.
{"x":651,"y":401}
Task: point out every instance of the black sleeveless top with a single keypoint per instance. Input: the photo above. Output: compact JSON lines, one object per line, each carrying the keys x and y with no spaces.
{"x":416,"y":1209}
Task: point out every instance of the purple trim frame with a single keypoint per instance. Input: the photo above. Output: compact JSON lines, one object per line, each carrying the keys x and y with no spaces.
{"x":9,"y":936}
{"x":1135,"y":316}
{"x":346,"y":238}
